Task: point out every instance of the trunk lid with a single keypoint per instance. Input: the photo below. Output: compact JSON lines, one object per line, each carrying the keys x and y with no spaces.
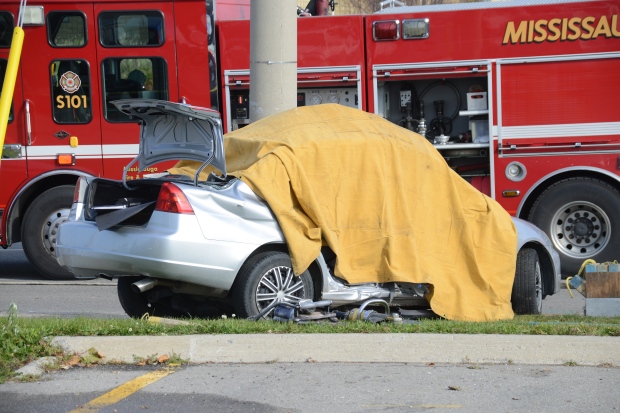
{"x":174,"y":131}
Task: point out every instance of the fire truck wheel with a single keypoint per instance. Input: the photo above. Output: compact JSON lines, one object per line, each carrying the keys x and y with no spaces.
{"x":581,"y":216}
{"x":39,"y":229}
{"x":527,"y":288}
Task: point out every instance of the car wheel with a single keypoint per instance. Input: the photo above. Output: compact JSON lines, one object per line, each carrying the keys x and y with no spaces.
{"x":527,"y":288}
{"x":137,"y":304}
{"x":40,"y":227}
{"x":582,"y":219}
{"x":268,"y":277}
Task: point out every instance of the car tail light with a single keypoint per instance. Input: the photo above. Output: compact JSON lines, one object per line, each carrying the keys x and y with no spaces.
{"x":76,"y":192}
{"x":172,"y":199}
{"x":80,"y":189}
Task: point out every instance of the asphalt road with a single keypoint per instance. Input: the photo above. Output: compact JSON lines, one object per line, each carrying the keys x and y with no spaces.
{"x":321,"y":387}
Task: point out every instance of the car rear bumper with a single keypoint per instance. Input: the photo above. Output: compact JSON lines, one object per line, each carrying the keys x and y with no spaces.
{"x":156,"y":250}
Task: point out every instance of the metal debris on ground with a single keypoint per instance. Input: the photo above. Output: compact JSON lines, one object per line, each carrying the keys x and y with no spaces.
{"x":307,"y":311}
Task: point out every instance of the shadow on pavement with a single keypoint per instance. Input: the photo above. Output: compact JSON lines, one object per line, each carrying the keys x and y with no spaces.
{"x":15,"y":266}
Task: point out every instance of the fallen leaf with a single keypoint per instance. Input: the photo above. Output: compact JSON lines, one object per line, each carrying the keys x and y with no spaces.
{"x":74,"y":360}
{"x":92,"y":357}
{"x":163,"y":358}
{"x":94,"y":352}
{"x":454,"y":388}
{"x":310,"y":360}
{"x":430,"y":364}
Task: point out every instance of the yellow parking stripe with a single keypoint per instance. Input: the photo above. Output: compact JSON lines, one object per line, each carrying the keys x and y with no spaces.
{"x":122,"y":391}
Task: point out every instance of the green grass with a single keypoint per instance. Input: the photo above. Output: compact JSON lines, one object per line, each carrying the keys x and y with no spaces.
{"x":25,"y":339}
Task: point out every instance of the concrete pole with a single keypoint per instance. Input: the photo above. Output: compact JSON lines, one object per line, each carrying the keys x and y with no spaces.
{"x":273,"y":57}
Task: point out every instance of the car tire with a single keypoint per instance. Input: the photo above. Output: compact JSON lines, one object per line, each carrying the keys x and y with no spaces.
{"x":266,"y":277}
{"x":581,"y":216}
{"x":527,"y":290}
{"x":39,"y":230}
{"x":137,"y":304}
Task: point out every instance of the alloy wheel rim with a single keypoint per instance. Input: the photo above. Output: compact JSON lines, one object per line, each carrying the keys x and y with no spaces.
{"x":538,"y":286}
{"x":279,"y":283}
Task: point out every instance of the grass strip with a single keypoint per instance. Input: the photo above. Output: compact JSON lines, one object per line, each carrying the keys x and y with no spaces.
{"x":23,"y":339}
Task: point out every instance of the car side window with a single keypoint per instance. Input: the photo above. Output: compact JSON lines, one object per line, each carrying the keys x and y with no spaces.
{"x":131,"y":29}
{"x":3,"y":63}
{"x":6,"y":28}
{"x":132,"y":78}
{"x":71,"y":95}
{"x":66,"y":29}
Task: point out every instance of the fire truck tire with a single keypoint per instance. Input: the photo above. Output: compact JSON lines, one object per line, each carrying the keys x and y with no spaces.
{"x":39,"y":228}
{"x":581,"y":216}
{"x":527,"y":288}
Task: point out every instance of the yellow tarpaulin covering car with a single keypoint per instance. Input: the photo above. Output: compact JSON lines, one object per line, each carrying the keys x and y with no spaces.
{"x":384,"y":200}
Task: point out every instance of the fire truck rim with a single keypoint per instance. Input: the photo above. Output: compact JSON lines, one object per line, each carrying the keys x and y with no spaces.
{"x":50,"y":228}
{"x":580,"y":229}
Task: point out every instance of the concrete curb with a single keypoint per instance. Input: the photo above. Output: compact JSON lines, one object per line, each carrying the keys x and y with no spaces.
{"x":37,"y":367}
{"x":357,"y":348}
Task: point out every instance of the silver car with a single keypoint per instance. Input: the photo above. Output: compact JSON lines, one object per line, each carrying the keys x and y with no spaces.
{"x":183,"y":246}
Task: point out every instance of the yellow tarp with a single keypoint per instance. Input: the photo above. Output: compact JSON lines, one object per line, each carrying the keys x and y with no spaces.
{"x":384,"y":200}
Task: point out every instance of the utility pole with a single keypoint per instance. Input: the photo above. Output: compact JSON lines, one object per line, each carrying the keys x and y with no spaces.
{"x":273,"y":57}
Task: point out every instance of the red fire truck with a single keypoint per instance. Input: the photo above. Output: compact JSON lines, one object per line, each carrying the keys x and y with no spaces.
{"x":519,"y":97}
{"x":77,"y":57}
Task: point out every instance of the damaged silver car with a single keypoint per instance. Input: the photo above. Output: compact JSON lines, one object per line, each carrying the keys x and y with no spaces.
{"x":180,"y":245}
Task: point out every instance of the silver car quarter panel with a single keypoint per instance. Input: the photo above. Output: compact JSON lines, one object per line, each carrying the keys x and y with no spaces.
{"x":233,"y":214}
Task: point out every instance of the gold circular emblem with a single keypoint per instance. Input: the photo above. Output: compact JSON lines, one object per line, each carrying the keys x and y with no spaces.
{"x":70,"y":82}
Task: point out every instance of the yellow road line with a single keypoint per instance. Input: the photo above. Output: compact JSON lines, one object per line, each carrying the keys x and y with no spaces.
{"x":122,"y":391}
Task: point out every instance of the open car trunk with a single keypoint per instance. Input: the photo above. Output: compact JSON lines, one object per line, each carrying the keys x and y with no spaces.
{"x":110,"y":203}
{"x":168,"y":131}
